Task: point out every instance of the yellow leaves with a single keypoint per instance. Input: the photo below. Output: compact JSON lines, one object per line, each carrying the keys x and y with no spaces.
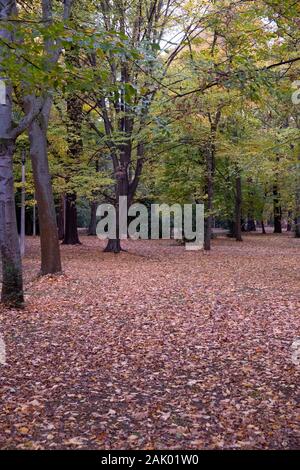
{"x":24,"y":430}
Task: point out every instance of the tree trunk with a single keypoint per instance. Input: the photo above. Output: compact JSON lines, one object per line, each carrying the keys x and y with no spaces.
{"x":277,"y":210}
{"x":50,"y":254}
{"x":231,"y":228}
{"x":71,"y":232}
{"x":251,"y":226}
{"x":61,"y":218}
{"x":75,"y":149}
{"x":210,"y":172}
{"x":23,"y":207}
{"x":289,"y":222}
{"x":297,"y":227}
{"x":34,"y":218}
{"x":238,"y":209}
{"x":263,"y":228}
{"x":122,"y":189}
{"x":297,"y":209}
{"x":113,"y":246}
{"x":209,"y":201}
{"x":12,"y":281}
{"x":93,"y":219}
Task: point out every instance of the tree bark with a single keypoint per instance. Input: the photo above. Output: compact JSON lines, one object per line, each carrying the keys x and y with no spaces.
{"x":50,"y":253}
{"x":263,"y":230}
{"x":113,"y":246}
{"x":12,"y":281}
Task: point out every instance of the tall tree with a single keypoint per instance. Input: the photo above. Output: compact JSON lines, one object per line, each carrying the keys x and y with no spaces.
{"x":12,"y":282}
{"x":75,"y":150}
{"x":238,"y":207}
{"x":50,"y":253}
{"x":210,"y":173}
{"x":125,"y":105}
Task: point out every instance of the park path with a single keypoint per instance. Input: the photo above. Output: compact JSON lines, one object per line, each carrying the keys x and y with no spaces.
{"x":156,"y":348}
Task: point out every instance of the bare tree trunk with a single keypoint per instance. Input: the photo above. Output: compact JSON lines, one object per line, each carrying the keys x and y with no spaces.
{"x":263,"y":228}
{"x":50,"y":253}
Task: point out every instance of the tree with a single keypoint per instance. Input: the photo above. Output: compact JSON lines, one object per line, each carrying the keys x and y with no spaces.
{"x":134,"y":81}
{"x":297,"y":203}
{"x":50,"y":253}
{"x":12,"y":282}
{"x":75,"y":150}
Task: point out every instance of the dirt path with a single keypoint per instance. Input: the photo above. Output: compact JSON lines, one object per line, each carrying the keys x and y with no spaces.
{"x":156,"y":348}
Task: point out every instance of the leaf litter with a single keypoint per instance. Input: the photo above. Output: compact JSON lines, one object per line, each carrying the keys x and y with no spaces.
{"x":155,"y":348}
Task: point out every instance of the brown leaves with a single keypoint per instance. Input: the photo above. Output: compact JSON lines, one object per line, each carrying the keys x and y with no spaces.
{"x":155,"y":348}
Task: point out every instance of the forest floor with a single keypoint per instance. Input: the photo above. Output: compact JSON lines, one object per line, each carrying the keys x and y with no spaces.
{"x":155,"y":348}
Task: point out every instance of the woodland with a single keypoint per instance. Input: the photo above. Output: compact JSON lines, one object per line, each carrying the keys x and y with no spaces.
{"x":141,"y":344}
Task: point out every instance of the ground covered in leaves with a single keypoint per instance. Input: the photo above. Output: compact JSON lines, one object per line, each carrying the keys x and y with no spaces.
{"x":155,"y":348}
